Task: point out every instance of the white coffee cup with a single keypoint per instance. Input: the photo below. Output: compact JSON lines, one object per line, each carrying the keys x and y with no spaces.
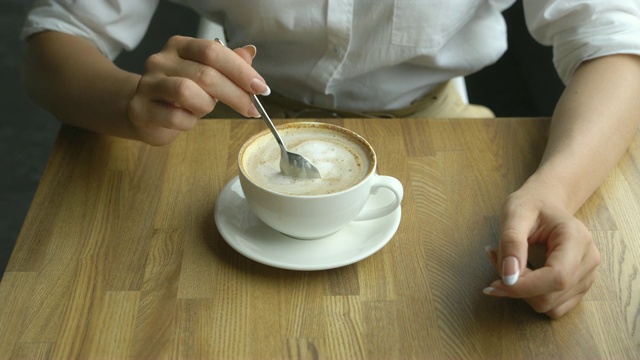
{"x":310,"y":209}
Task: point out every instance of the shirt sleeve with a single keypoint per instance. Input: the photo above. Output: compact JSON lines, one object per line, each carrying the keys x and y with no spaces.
{"x":111,"y":25}
{"x":580,"y":30}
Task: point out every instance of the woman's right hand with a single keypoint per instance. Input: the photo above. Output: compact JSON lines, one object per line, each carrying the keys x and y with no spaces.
{"x":184,"y":81}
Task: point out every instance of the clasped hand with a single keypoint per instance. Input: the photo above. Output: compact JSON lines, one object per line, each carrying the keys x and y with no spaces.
{"x":571,"y":258}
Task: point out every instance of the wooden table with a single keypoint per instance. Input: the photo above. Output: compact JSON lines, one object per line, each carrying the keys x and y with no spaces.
{"x":119,"y":257}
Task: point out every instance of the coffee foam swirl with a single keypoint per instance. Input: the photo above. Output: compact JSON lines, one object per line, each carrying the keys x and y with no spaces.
{"x":341,"y":160}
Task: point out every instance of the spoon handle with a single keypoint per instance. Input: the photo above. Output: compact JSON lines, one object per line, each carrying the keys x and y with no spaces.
{"x":267,"y":120}
{"x":262,"y":112}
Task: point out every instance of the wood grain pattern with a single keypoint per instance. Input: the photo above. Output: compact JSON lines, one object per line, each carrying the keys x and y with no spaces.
{"x":119,"y":257}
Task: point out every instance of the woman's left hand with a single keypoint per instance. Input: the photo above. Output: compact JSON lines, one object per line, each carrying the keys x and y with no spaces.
{"x":571,"y":259}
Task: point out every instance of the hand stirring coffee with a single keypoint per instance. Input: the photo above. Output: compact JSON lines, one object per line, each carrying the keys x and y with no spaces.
{"x":291,"y":164}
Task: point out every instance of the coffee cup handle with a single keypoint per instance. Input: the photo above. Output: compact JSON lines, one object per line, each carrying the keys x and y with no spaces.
{"x":388,"y":182}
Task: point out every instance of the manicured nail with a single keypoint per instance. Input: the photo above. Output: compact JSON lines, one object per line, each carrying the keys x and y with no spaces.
{"x":510,"y":270}
{"x":494,"y":292}
{"x":251,"y":49}
{"x":253,"y":112}
{"x":260,"y":87}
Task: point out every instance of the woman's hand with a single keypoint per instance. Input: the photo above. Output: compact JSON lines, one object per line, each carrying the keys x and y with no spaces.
{"x":571,"y":260}
{"x":183,"y":83}
{"x":593,"y":124}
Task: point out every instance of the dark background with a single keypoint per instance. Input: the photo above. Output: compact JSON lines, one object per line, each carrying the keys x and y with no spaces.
{"x":522,"y":83}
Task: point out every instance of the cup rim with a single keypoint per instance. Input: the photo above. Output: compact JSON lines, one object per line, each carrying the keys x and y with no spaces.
{"x":358,"y":137}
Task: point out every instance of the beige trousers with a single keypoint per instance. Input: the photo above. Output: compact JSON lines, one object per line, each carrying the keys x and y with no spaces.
{"x":443,"y":102}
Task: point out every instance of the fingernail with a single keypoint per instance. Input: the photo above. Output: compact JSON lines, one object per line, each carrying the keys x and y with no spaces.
{"x":252,"y":50}
{"x":494,"y":292}
{"x":253,"y":112}
{"x":260,"y":87}
{"x":510,"y":270}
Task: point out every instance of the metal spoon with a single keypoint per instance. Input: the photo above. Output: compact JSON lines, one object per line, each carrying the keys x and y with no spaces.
{"x":291,"y":164}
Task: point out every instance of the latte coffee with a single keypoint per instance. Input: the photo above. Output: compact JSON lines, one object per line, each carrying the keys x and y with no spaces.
{"x":315,"y":208}
{"x":343,"y":158}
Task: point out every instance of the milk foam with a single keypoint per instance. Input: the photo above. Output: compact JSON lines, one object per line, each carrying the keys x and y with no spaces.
{"x":342,"y":161}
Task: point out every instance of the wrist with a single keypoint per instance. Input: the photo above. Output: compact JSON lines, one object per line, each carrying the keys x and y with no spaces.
{"x":128,"y":97}
{"x":547,"y":191}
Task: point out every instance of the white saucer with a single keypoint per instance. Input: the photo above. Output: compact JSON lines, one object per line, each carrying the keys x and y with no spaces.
{"x":252,"y":238}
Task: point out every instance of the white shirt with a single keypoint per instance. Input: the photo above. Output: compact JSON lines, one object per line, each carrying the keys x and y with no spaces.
{"x":365,"y":54}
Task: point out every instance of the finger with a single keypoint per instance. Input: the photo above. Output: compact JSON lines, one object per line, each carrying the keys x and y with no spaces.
{"x":540,"y":304}
{"x":571,"y":249}
{"x":188,"y":96}
{"x":174,"y":118}
{"x":178,"y":92}
{"x":545,"y":281}
{"x":247,"y":53}
{"x":165,"y":116}
{"x":558,"y":303}
{"x":540,"y":299}
{"x":517,"y":224}
{"x":226,"y":61}
{"x":557,"y":300}
{"x":143,"y":116}
{"x":157,"y":105}
{"x":565,"y":307}
{"x":499,"y":289}
{"x":216,"y":85}
{"x":214,"y":82}
{"x":569,"y":262}
{"x":533,"y":283}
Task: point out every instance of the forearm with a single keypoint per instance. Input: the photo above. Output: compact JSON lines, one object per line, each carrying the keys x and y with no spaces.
{"x":71,"y":79}
{"x":593,"y":124}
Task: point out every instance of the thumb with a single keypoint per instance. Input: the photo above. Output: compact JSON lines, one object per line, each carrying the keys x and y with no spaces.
{"x":516,"y":226}
{"x":247,"y":53}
